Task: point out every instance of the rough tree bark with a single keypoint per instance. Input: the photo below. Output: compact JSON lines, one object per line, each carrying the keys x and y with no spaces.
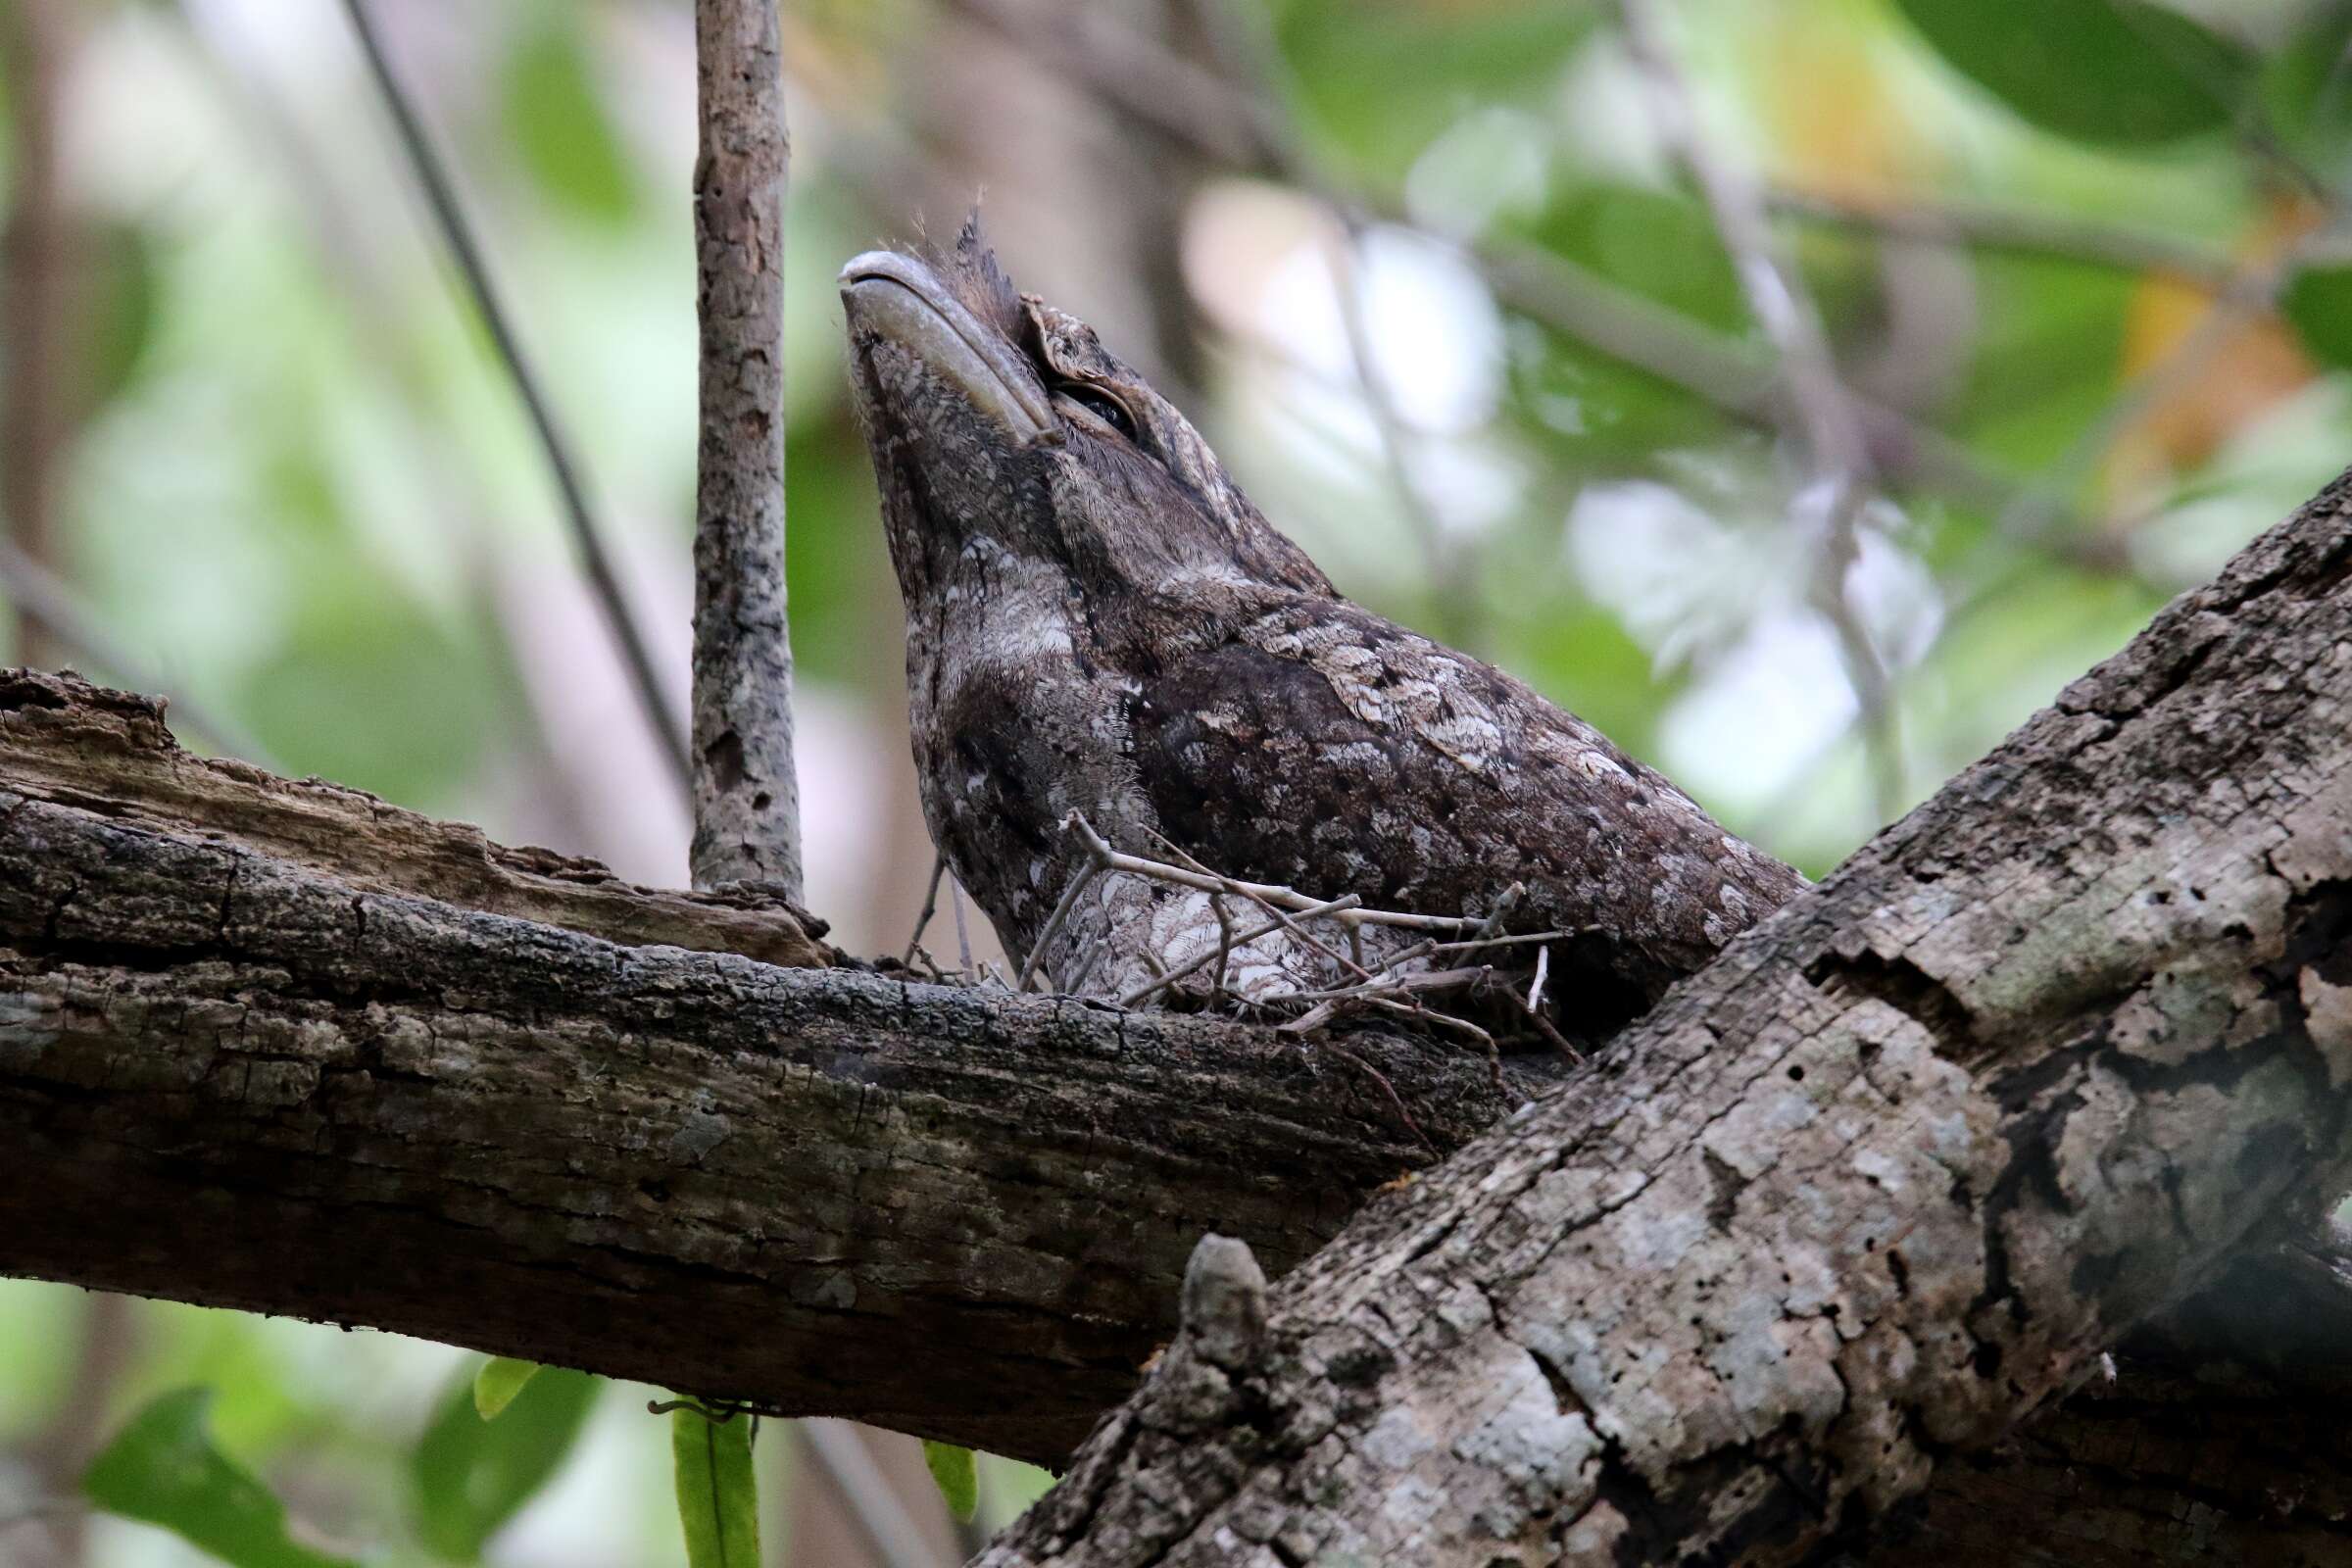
{"x":255,"y":1063}
{"x":258,"y":1067}
{"x":747,"y":797}
{"x":2221,"y":1442}
{"x":1880,"y":1182}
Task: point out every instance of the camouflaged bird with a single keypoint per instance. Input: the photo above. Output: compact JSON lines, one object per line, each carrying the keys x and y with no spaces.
{"x":1099,"y":620}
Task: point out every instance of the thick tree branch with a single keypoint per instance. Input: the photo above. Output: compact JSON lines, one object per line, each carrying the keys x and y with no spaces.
{"x":1877,"y":1185}
{"x":255,"y":1068}
{"x":747,"y":797}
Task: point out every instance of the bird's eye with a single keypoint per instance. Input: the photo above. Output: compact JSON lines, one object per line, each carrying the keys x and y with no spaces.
{"x":1103,"y":406}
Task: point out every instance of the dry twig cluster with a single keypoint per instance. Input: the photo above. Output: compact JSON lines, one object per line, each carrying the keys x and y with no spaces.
{"x":1448,"y":958}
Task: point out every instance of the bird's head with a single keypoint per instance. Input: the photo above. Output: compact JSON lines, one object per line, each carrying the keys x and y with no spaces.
{"x":989,"y":413}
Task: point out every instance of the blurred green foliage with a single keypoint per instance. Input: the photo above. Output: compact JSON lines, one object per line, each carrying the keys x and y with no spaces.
{"x":2121,"y":72}
{"x":554,"y":117}
{"x":469,"y":1473}
{"x":292,"y":477}
{"x":1368,"y":82}
{"x":163,"y":1469}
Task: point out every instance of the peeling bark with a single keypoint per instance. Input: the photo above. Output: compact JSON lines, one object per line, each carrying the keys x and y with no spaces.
{"x":108,"y":752}
{"x":1882,"y":1182}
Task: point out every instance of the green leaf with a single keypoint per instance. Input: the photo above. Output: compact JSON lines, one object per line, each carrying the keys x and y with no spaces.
{"x":163,"y":1469}
{"x":2320,"y":304}
{"x":557,"y":126}
{"x":469,"y":1476}
{"x":2120,"y":72}
{"x":718,"y":1499}
{"x":958,"y":1475}
{"x":496,"y":1383}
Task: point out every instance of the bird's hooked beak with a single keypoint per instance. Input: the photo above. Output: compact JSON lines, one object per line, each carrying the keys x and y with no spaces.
{"x":900,"y":299}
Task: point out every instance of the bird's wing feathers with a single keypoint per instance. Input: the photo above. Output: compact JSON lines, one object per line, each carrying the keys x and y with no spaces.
{"x":1320,"y":732}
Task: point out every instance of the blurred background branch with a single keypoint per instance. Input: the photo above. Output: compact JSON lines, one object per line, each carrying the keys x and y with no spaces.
{"x":1784,"y":307}
{"x":473,"y":268}
{"x":1935,"y":221}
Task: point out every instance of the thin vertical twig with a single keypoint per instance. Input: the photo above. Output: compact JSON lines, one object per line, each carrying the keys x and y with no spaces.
{"x":747,"y":799}
{"x":922,"y":921}
{"x":1786,"y":309}
{"x":964,"y":935}
{"x":457,"y":234}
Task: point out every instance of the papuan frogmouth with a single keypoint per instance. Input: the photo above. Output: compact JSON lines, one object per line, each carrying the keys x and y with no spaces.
{"x":1099,"y":620}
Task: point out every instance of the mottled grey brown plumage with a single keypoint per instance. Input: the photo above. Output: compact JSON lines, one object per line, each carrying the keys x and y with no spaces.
{"x":1099,"y":620}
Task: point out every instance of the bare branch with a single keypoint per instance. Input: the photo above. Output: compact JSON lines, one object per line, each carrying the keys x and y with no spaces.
{"x":1228,"y":939}
{"x":1080,"y":879}
{"x":747,"y":799}
{"x":449,"y":216}
{"x":1911,"y":214}
{"x":1784,"y":308}
{"x":1216,"y":986}
{"x":1271,"y":893}
{"x":1291,"y":923}
{"x":963,"y":936}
